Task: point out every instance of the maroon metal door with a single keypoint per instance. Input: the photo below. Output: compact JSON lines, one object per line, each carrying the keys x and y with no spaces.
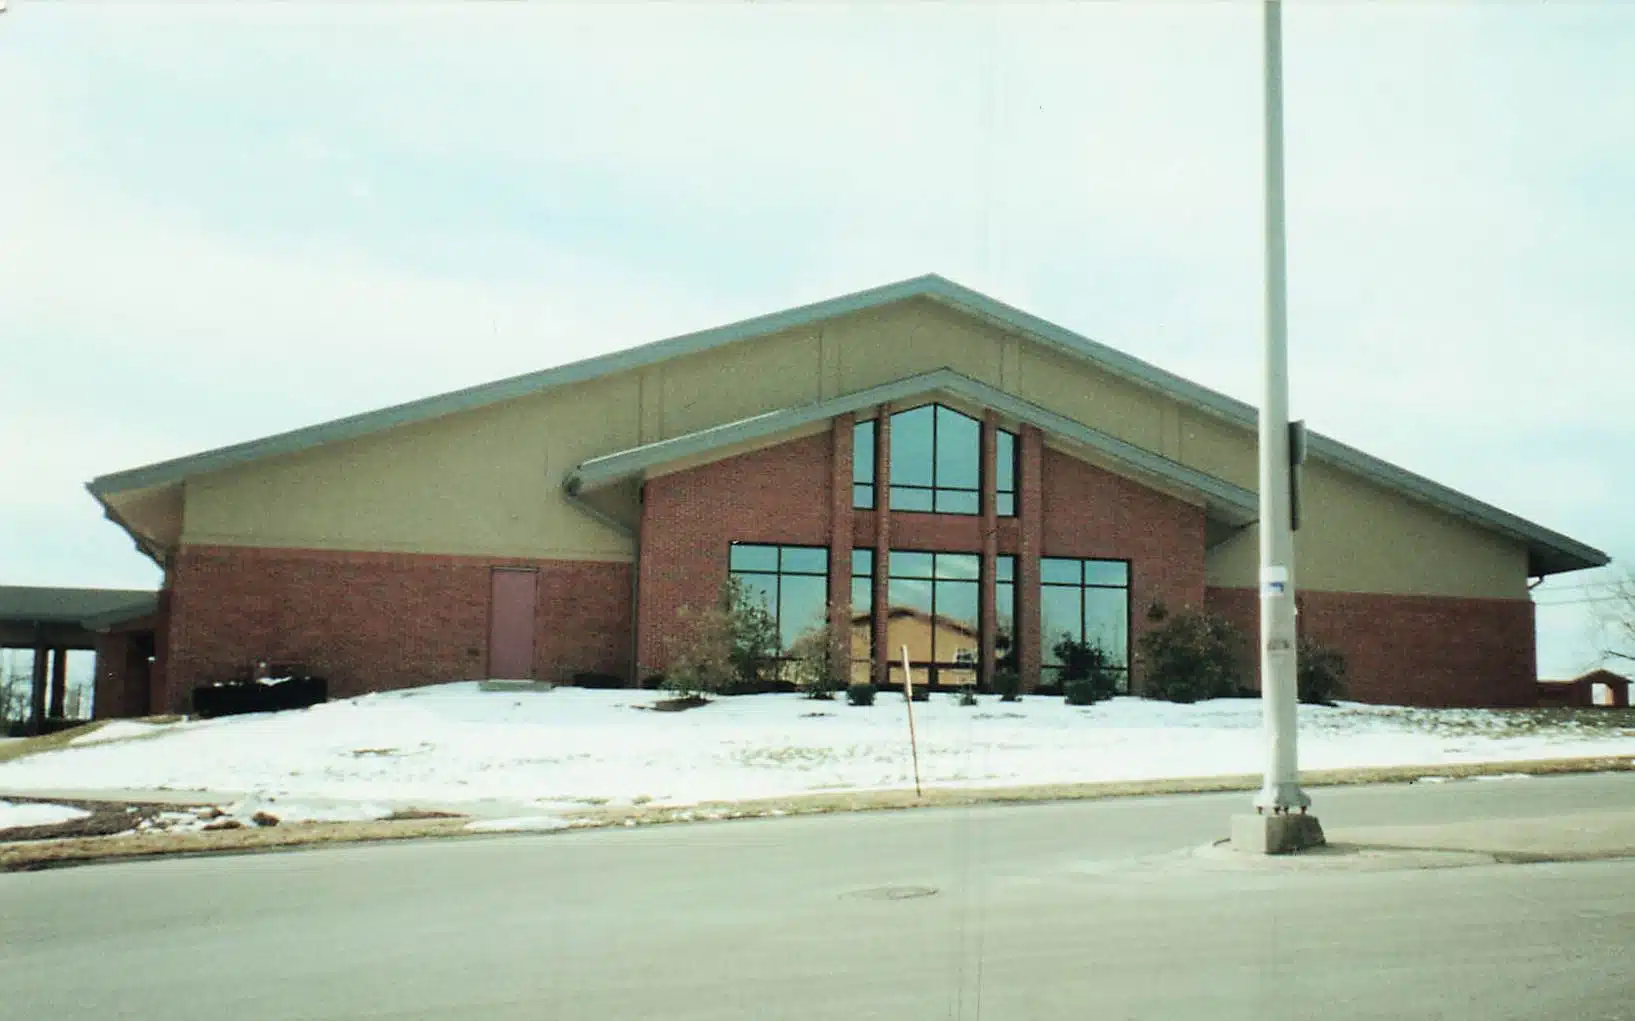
{"x":511,"y":623}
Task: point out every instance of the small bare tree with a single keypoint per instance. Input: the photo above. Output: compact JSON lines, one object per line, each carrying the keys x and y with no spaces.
{"x":1620,"y":622}
{"x":16,"y":692}
{"x":816,"y":662}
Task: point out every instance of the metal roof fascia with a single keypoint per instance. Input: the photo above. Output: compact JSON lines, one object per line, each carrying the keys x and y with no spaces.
{"x":929,"y":285}
{"x":1237,"y":504}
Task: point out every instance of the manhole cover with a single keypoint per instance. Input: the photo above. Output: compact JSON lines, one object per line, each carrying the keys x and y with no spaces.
{"x":894,"y":892}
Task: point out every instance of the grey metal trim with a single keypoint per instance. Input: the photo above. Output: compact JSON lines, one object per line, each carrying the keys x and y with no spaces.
{"x":1228,"y":502}
{"x":1548,"y":550}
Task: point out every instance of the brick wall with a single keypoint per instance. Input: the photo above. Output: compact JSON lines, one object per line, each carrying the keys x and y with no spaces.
{"x":1411,"y":650}
{"x":1089,"y":512}
{"x":778,"y":494}
{"x":123,"y":675}
{"x":378,"y":621}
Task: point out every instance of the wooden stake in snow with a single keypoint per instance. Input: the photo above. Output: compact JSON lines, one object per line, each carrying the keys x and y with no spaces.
{"x":908,"y":696}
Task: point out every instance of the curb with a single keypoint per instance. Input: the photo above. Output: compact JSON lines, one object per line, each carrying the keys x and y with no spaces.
{"x":35,"y":855}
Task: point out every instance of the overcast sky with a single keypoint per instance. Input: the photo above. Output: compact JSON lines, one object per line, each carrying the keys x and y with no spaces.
{"x":221,"y":222}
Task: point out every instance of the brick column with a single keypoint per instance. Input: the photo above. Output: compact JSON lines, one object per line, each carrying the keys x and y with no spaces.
{"x":36,"y":705}
{"x":158,"y":694}
{"x":59,"y":682}
{"x":840,"y":544}
{"x":1030,"y":509}
{"x":882,"y":540}
{"x":990,"y":556}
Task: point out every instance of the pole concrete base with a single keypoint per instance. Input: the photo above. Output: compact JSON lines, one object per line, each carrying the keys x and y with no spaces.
{"x":1276,"y":834}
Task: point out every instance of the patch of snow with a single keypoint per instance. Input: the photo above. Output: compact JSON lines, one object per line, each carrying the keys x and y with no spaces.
{"x":453,"y":744}
{"x":17,"y":814}
{"x":1504,"y":776}
{"x":119,"y":730}
{"x":520,"y":824}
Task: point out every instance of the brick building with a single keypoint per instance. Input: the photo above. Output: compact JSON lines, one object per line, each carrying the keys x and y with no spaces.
{"x":963,"y":477}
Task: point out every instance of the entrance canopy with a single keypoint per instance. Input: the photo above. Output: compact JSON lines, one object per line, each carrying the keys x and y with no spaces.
{"x":51,"y":621}
{"x":67,"y":618}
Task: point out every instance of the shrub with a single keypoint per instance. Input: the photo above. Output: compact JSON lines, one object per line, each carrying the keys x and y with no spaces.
{"x":1081,"y":691}
{"x":814,"y":665}
{"x":967,"y":697}
{"x":1190,"y":656}
{"x":1321,"y":674}
{"x":860,"y":694}
{"x":704,"y":665}
{"x":1008,"y":683}
{"x":729,"y":646}
{"x":1087,"y":669}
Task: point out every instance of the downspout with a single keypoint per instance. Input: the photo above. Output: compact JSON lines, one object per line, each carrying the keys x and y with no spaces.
{"x":570,"y":490}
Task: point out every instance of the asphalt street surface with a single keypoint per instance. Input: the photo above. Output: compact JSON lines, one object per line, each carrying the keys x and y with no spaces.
{"x":1114,"y":909}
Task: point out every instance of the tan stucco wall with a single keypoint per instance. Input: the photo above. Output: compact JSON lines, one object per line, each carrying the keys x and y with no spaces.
{"x":738,"y":381}
{"x":488,"y":481}
{"x":1358,"y":537}
{"x":485,"y":481}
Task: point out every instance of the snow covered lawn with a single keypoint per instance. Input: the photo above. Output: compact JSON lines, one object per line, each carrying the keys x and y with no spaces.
{"x":16,"y":815}
{"x":452,"y":744}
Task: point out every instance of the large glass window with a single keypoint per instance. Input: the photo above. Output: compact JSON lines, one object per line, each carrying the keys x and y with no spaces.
{"x":936,"y":459}
{"x":1088,"y":601}
{"x":933,"y":611}
{"x":862,"y":636}
{"x":1005,"y":473}
{"x":790,"y":582}
{"x":863,"y":464}
{"x":1005,"y":612}
{"x":936,"y":463}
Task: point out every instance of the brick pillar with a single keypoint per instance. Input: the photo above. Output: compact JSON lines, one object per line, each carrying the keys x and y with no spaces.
{"x":990,"y":556}
{"x":840,"y":545}
{"x":112,"y":658}
{"x":158,"y":693}
{"x":59,"y":682}
{"x":1030,"y":500}
{"x":36,"y":705}
{"x":882,"y":540}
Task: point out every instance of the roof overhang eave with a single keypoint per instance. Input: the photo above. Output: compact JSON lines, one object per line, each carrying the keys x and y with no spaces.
{"x":1226,"y":502}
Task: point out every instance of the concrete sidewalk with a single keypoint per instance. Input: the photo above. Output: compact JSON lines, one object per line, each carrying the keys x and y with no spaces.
{"x":1577,"y":836}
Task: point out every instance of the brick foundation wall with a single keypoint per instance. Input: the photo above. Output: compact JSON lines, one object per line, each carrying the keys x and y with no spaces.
{"x":778,"y":494}
{"x":378,"y":621}
{"x":1411,"y":650}
{"x":1089,"y":512}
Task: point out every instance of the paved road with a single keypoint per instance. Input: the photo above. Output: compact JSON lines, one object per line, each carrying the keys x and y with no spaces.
{"x":1088,"y":910}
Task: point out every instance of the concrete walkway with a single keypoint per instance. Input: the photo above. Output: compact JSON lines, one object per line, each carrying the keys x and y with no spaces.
{"x":1574,"y":836}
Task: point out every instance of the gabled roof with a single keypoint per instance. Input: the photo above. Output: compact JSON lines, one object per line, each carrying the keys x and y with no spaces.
{"x":1549,"y":552}
{"x":1227,"y":502}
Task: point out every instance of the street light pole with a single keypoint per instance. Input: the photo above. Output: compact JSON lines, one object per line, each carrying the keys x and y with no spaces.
{"x":1274,"y":828}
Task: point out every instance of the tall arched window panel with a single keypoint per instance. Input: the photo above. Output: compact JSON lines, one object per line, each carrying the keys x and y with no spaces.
{"x":936,"y":464}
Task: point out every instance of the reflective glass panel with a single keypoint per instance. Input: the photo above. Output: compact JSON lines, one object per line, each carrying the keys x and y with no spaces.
{"x":1053,"y":571}
{"x":1106,"y":572}
{"x":913,"y":447}
{"x":959,"y":450}
{"x":802,"y":602}
{"x":745,"y":557}
{"x":805,"y":560}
